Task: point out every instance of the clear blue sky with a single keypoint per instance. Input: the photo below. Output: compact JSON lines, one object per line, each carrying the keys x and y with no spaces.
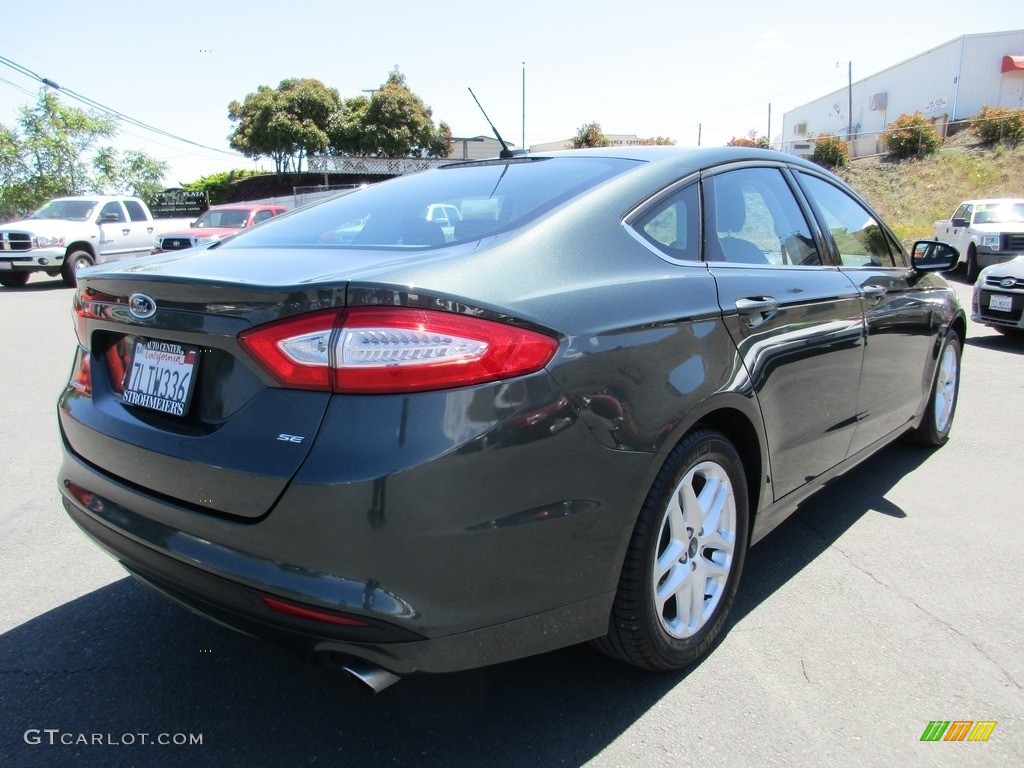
{"x":643,"y":67}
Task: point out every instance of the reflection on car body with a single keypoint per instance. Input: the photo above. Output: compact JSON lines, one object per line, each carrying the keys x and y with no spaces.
{"x":998,"y":298}
{"x":565,"y":420}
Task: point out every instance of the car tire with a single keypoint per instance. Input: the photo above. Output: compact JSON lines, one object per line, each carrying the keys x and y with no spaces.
{"x":691,"y":535}
{"x":972,"y":269}
{"x":73,"y":262}
{"x":14,"y":279}
{"x":934,"y":428}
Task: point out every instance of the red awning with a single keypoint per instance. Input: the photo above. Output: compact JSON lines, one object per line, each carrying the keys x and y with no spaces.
{"x":1013,"y":64}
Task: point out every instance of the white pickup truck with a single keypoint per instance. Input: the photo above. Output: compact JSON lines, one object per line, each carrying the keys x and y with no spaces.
{"x":985,"y":232}
{"x":69,"y":233}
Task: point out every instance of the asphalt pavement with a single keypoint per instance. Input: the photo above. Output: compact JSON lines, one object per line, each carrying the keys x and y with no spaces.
{"x":891,"y":600}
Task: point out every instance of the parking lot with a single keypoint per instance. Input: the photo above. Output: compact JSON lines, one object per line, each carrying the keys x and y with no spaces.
{"x":893,"y":598}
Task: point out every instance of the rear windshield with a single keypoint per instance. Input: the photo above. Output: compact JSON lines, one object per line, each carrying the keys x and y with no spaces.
{"x":452,"y":204}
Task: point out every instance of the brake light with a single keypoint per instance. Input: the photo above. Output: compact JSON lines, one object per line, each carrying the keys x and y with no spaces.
{"x":90,"y":304}
{"x":81,"y":374}
{"x":394,"y":349}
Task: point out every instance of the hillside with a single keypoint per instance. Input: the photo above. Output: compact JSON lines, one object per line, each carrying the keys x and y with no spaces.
{"x":909,"y":194}
{"x":912,"y":194}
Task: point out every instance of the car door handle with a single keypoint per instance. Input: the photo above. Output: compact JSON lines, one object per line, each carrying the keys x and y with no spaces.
{"x":757,"y":310}
{"x":126,"y":231}
{"x":873,"y":293}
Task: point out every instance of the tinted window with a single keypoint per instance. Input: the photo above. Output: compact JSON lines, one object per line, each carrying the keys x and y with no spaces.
{"x":753,"y":218}
{"x":111,"y":208}
{"x":674,"y":224}
{"x":135,"y":210}
{"x":487,"y":197}
{"x":859,"y":238}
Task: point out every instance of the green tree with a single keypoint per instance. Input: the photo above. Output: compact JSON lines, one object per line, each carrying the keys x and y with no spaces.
{"x":392,"y":122}
{"x":132,"y":173}
{"x":54,"y":151}
{"x":589,"y":135}
{"x":286,"y":123}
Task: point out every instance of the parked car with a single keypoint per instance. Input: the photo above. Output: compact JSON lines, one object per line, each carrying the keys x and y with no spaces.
{"x":215,"y":224}
{"x":998,"y":298}
{"x":69,"y":233}
{"x":985,"y":232}
{"x":567,"y":423}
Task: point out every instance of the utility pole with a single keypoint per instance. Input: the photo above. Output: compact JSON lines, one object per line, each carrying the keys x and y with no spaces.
{"x":849,"y":101}
{"x":523,"y":145}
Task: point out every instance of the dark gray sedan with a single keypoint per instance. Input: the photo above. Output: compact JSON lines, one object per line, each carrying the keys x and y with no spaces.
{"x":564,"y":419}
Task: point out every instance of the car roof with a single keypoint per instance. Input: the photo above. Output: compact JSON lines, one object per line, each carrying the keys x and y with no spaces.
{"x":695,"y":157}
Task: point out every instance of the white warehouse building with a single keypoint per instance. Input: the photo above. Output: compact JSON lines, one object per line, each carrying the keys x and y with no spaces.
{"x":945,"y":84}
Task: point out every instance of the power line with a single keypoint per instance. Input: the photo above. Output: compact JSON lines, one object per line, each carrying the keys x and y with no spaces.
{"x":120,"y":116}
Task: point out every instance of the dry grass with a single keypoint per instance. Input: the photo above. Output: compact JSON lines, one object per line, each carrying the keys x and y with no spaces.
{"x":912,"y":194}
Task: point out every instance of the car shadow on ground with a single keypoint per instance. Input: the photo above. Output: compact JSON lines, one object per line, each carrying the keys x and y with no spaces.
{"x":122,"y":661}
{"x":38,"y":284}
{"x":1012,"y":343}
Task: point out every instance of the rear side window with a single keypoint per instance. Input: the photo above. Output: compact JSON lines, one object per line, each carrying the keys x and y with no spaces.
{"x":135,"y":211}
{"x":673,"y":226}
{"x":480,"y":199}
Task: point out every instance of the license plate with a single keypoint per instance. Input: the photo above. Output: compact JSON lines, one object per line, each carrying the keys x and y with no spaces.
{"x":6,"y":265}
{"x":1000,"y":303}
{"x":162,"y":376}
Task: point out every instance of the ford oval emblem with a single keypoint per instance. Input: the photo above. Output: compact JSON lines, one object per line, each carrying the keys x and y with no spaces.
{"x":1009,"y":282}
{"x":141,"y":306}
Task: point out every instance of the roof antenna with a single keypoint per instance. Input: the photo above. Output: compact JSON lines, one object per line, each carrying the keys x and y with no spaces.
{"x":505,"y":153}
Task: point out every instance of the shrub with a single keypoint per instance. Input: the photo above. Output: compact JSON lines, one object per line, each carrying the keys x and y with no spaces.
{"x":910,"y":135}
{"x":995,"y":125}
{"x":751,"y":140}
{"x":830,"y":151}
{"x":218,"y":185}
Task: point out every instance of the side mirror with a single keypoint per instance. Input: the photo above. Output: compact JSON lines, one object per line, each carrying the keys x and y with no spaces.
{"x":111,"y":217}
{"x":959,"y":223}
{"x":933,"y":256}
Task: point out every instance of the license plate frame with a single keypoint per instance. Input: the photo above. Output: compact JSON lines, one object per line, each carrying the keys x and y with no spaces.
{"x":1000,"y":302}
{"x":161,"y":376}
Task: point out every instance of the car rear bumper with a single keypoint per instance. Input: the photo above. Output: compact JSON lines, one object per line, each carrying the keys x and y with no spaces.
{"x":516,"y":554}
{"x":240,"y":607}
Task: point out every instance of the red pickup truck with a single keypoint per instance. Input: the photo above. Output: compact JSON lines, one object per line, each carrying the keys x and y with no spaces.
{"x":217,"y":223}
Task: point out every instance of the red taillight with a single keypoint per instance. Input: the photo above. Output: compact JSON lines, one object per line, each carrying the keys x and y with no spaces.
{"x":90,"y":304}
{"x":81,"y":375}
{"x":394,"y":349}
{"x":310,"y":613}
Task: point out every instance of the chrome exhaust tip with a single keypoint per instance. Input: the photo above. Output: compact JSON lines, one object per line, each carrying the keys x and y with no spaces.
{"x":376,"y":678}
